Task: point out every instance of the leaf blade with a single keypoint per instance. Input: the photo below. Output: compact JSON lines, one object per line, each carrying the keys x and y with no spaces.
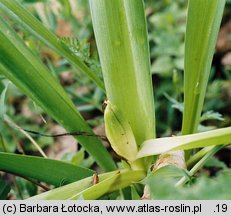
{"x":185,"y":142}
{"x":203,"y":22}
{"x":121,"y":36}
{"x":50,"y":171}
{"x":23,"y":68}
{"x":108,"y":182}
{"x":17,"y":12}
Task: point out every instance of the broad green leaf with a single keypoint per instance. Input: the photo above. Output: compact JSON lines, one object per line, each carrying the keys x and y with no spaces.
{"x":203,"y":22}
{"x":165,"y":175}
{"x":21,"y":15}
{"x":84,"y":189}
{"x":4,"y":189}
{"x":121,"y":37}
{"x":185,"y":142}
{"x":50,"y":171}
{"x":170,"y":172}
{"x":24,"y":69}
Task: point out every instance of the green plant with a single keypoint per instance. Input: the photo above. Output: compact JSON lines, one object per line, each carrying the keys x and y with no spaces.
{"x":121,"y":35}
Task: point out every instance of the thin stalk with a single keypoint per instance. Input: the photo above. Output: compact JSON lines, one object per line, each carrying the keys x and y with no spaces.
{"x":199,"y":164}
{"x":10,"y":122}
{"x":196,"y":157}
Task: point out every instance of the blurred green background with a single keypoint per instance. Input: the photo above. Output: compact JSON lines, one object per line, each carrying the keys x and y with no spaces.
{"x":71,"y":21}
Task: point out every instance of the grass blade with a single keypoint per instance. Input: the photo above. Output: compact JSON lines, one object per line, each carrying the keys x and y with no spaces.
{"x":50,"y":171}
{"x":24,"y":69}
{"x":185,"y":142}
{"x":117,"y":182}
{"x":67,"y":191}
{"x":108,"y":182}
{"x":203,"y":22}
{"x":20,"y":14}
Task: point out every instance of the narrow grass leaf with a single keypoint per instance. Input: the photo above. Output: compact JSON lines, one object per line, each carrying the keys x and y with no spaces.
{"x":203,"y":22}
{"x":67,"y":191}
{"x":50,"y":171}
{"x":185,"y":142}
{"x":117,"y":182}
{"x":21,"y":15}
{"x":85,"y":189}
{"x":24,"y":69}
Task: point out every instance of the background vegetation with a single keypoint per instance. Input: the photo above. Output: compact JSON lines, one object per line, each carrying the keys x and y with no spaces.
{"x":71,"y":21}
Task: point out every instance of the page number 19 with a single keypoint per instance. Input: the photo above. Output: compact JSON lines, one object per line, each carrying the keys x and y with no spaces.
{"x":221,"y":208}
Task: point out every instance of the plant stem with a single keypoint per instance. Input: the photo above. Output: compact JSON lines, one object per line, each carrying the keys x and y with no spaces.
{"x":174,"y":158}
{"x":8,"y":121}
{"x":196,"y":157}
{"x":121,"y":35}
{"x":199,"y":164}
